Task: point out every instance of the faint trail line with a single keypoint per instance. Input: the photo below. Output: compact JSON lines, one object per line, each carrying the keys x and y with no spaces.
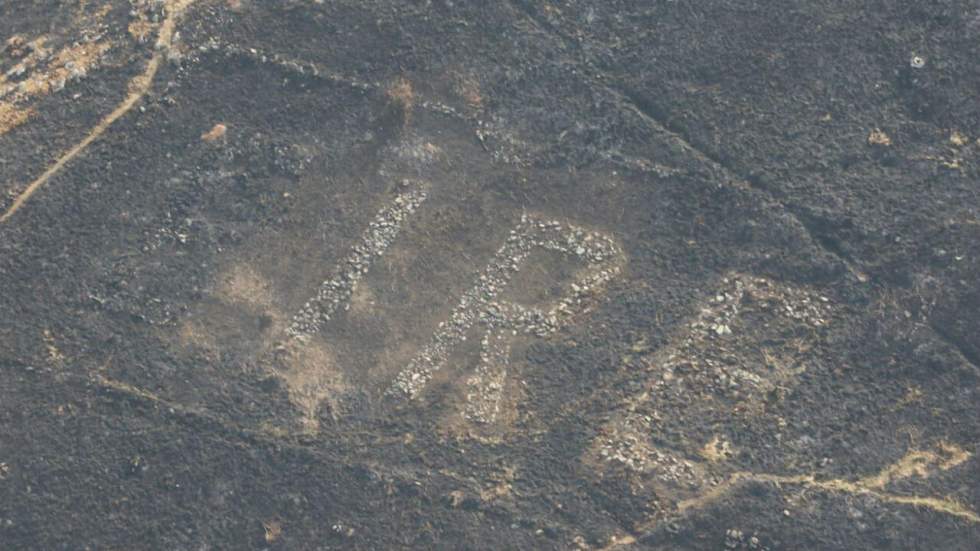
{"x":968,"y":356}
{"x":860,"y":487}
{"x":919,"y":463}
{"x":241,"y":436}
{"x":138,"y":87}
{"x":723,"y":169}
{"x":246,"y":438}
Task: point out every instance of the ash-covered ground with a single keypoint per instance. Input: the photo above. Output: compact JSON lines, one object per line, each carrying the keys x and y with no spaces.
{"x":530,"y":274}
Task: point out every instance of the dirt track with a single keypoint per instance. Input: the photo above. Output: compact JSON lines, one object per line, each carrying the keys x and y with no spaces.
{"x":520,"y":275}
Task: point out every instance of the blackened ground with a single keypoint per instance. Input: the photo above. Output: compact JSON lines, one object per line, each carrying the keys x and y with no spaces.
{"x":707,"y":138}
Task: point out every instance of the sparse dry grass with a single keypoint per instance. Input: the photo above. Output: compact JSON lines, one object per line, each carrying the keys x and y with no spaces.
{"x":243,"y":284}
{"x":273,"y":529}
{"x":216,"y":133}
{"x":878,"y":137}
{"x":468,"y":88}
{"x":401,"y":94}
{"x":716,"y":450}
{"x":312,"y":377}
{"x":11,"y":117}
{"x":54,"y":354}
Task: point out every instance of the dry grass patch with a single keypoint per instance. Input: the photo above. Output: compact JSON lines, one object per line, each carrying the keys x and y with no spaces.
{"x":401,"y":95}
{"x":312,"y":376}
{"x":216,"y":133}
{"x":11,"y":117}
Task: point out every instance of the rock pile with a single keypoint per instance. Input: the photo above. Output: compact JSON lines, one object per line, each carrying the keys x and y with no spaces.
{"x":479,"y":305}
{"x":336,"y":292}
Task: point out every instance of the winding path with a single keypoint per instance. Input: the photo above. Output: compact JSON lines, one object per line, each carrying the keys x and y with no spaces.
{"x":138,"y":87}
